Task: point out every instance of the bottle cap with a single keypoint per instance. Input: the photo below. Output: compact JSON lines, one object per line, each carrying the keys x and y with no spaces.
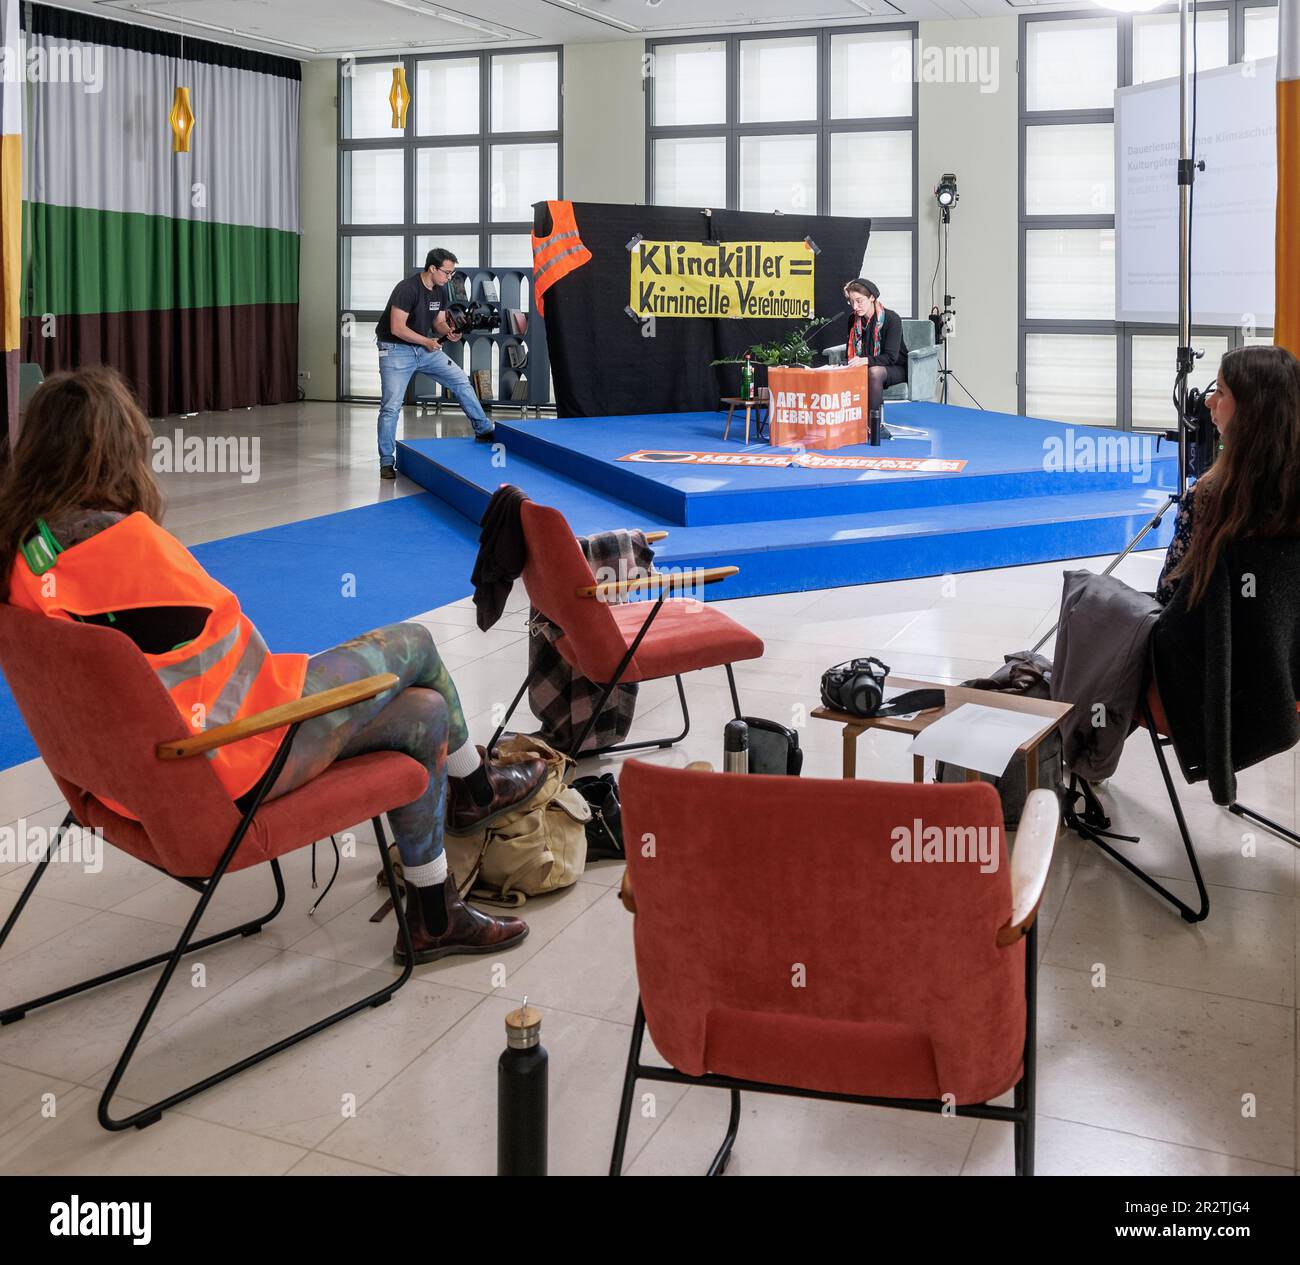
{"x":524,"y":1027}
{"x":735,"y":737}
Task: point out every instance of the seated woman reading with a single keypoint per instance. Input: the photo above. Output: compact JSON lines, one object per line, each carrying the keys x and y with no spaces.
{"x":875,"y":340}
{"x":78,"y":505}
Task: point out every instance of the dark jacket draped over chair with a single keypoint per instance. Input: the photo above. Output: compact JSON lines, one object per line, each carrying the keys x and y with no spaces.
{"x":1228,"y":671}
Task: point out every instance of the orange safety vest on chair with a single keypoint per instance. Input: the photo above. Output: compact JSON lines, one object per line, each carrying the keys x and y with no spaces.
{"x":226,"y":673}
{"x":558,"y":253}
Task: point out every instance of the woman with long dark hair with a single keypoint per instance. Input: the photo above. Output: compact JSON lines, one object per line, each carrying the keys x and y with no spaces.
{"x":1253,"y":489}
{"x":1250,"y":493}
{"x":81,"y":538}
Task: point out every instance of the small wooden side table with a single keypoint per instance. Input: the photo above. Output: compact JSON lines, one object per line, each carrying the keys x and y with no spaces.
{"x":755,"y":407}
{"x":954,"y":697}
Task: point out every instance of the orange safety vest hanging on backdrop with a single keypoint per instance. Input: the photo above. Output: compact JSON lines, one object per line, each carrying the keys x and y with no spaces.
{"x":224,"y":674}
{"x":558,"y":253}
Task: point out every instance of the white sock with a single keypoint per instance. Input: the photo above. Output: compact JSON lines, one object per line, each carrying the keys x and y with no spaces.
{"x":463,"y":762}
{"x":428,"y":875}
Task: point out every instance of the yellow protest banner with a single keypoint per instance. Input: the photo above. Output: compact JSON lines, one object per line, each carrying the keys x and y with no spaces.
{"x":723,"y":279}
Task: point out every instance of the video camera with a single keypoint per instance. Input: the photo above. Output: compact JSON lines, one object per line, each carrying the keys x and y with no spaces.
{"x":1203,"y":443}
{"x":466,"y":315}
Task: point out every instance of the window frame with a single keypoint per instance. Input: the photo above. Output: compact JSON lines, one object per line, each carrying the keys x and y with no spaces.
{"x":411,"y":143}
{"x":823,"y":126}
{"x":1123,"y":331}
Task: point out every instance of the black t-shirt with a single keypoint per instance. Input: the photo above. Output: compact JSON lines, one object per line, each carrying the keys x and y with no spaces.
{"x":421,"y":305}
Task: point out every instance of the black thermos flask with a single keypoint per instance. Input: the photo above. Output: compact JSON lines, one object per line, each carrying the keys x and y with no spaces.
{"x":521,"y":1096}
{"x":735,"y":747}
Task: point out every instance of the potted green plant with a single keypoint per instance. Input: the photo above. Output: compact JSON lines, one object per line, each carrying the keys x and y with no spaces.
{"x":789,"y":350}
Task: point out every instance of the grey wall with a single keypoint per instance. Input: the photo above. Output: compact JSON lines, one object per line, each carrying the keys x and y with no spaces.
{"x":604,"y":122}
{"x":317,"y":200}
{"x":974,"y":134}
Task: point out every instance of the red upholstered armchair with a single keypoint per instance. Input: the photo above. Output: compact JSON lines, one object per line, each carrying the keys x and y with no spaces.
{"x":863,"y":973}
{"x":613,"y":644}
{"x":106,"y":726}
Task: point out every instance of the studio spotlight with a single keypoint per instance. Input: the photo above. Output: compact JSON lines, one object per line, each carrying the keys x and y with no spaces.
{"x":945,"y":193}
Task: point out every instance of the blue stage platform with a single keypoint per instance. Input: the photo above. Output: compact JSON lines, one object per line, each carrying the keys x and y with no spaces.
{"x":1030,"y":491}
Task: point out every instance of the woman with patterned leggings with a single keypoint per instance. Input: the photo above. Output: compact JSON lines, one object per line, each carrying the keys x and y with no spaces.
{"x":80,"y":480}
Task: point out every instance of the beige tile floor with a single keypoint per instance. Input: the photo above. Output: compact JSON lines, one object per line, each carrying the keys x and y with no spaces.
{"x":1184,"y":1062}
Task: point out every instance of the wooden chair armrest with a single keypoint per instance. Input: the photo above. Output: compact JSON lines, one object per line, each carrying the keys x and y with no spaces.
{"x":276,"y":717}
{"x":653,"y":537}
{"x":1031,"y":858}
{"x":659,"y":580}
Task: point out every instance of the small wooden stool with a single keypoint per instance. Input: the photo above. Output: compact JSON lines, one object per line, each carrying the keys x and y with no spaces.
{"x":754,"y":408}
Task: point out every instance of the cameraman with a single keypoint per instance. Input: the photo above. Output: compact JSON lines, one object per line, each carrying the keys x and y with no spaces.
{"x":410,"y":335}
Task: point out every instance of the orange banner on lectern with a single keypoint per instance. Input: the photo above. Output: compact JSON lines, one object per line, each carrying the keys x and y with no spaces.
{"x":818,"y":408}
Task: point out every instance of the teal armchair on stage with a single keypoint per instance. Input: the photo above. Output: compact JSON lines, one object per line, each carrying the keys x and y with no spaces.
{"x":922,"y":364}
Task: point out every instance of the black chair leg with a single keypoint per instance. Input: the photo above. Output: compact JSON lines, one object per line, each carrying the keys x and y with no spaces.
{"x":184,"y":946}
{"x":1098,"y":836}
{"x":36,"y":877}
{"x":723,"y":1157}
{"x":14,"y":1013}
{"x":510,"y":711}
{"x":735,"y":698}
{"x":150,"y":1115}
{"x":1025,"y":1099}
{"x":1276,"y":827}
{"x":651,"y":742}
{"x":629,"y":1093}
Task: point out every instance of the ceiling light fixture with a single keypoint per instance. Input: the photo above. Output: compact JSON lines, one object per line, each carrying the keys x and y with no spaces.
{"x":1130,"y":6}
{"x":456,"y":19}
{"x":574,"y":7}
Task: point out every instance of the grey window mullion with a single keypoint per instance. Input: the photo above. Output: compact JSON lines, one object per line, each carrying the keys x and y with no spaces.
{"x":1068,"y":325}
{"x":879,"y":123}
{"x":1067,"y":221}
{"x":732,"y":71}
{"x":1124,"y":383}
{"x":687,"y":130}
{"x":484,"y":158}
{"x":1045,"y":117}
{"x":1029,"y":223}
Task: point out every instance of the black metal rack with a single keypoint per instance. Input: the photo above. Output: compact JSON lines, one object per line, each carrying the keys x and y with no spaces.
{"x":483,"y":348}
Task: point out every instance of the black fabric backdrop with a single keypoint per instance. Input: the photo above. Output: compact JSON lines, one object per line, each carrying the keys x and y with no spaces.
{"x":600,"y":361}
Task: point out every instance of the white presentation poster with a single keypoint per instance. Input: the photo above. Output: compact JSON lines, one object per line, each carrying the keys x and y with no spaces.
{"x":1233,"y":226}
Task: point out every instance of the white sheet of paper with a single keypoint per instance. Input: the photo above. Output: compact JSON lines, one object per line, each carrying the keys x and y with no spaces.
{"x":977,"y":737}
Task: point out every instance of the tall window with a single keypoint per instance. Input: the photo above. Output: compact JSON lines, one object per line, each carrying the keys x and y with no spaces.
{"x":481,"y":144}
{"x":1077,"y":362}
{"x":806,"y":122}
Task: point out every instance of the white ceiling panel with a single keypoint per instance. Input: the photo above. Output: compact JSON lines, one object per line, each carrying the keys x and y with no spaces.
{"x":311,"y":29}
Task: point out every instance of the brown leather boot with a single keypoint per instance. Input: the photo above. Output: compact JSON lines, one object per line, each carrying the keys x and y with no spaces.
{"x":512,"y":785}
{"x":468,"y":930}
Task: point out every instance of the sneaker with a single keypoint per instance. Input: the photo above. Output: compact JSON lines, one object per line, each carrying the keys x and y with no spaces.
{"x":485,"y":436}
{"x":387,"y":472}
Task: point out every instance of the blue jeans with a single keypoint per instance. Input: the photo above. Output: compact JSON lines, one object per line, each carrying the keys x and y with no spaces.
{"x":398,"y":364}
